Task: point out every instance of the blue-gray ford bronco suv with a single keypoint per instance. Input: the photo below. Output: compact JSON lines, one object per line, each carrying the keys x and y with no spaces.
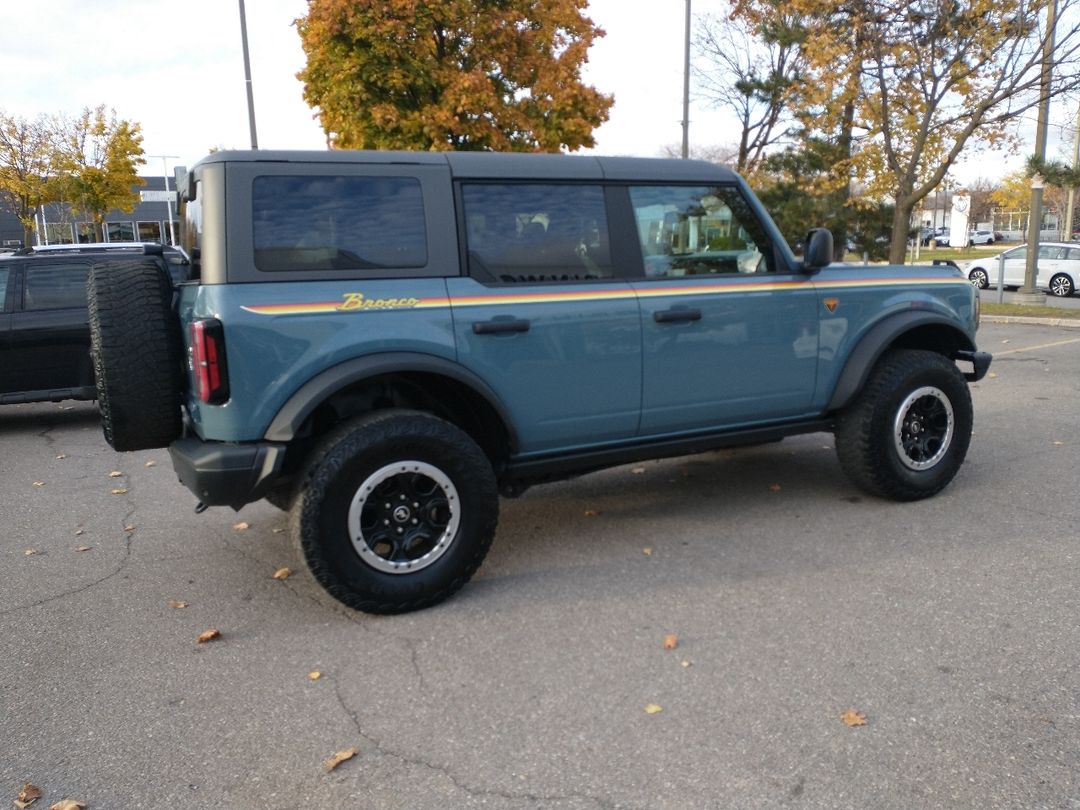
{"x":384,"y":342}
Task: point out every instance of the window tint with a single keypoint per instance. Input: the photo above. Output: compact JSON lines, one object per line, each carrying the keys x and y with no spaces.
{"x":3,"y":287}
{"x":695,"y":230}
{"x":525,"y":232}
{"x":338,"y":223}
{"x":1018,"y":254}
{"x":1074,"y":255}
{"x":1051,"y":252}
{"x":56,"y":286}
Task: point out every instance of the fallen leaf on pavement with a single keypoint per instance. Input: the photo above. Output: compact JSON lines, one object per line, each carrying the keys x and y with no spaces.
{"x":684,"y":664}
{"x":853,"y":718}
{"x":339,"y":757}
{"x":283,"y":573}
{"x":120,"y":491}
{"x":176,"y":604}
{"x":62,"y":455}
{"x":84,"y":548}
{"x":277,"y":531}
{"x":314,"y":676}
{"x":129,"y":528}
{"x":78,"y":532}
{"x":991,"y":375}
{"x":39,"y":483}
{"x":29,"y":794}
{"x":1058,"y":444}
{"x":69,"y":804}
{"x":652,"y":708}
{"x":638,"y":470}
{"x":242,"y":526}
{"x":115,"y":474}
{"x":591,"y":513}
{"x":150,"y":463}
{"x":30,"y":552}
{"x":775,"y":487}
{"x":671,"y":641}
{"x":647,"y":552}
{"x":208,"y":635}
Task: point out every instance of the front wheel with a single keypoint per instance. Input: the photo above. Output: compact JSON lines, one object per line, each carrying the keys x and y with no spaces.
{"x":1061,"y":286}
{"x":907,"y":433}
{"x":979,"y":278}
{"x":395,"y":511}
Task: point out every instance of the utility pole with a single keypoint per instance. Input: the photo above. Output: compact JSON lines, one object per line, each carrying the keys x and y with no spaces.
{"x":1070,"y":205}
{"x":168,"y":199}
{"x":247,"y":77}
{"x":1029,"y":293}
{"x":686,"y":89}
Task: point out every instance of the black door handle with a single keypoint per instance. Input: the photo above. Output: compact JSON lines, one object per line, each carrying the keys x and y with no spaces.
{"x":499,"y":326}
{"x":676,"y":315}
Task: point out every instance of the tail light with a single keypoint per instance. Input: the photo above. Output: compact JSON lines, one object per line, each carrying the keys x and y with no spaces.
{"x":208,"y":361}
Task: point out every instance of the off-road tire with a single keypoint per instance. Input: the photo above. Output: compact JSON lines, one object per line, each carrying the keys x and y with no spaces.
{"x":871,"y":450}
{"x":136,"y":353}
{"x":333,"y":479}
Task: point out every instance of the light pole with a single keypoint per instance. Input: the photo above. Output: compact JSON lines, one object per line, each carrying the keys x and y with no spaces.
{"x":686,"y":89}
{"x":168,"y":197}
{"x":247,"y":77}
{"x":1029,"y":293}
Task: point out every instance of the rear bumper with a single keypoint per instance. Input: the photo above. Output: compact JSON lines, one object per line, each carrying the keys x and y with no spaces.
{"x":224,"y":474}
{"x":980,"y":362}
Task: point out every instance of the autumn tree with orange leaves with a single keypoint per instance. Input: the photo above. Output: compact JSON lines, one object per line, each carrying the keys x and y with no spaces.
{"x":500,"y":75}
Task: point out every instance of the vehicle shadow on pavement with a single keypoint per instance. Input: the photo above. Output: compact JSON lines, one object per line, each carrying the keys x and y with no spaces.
{"x":31,"y":418}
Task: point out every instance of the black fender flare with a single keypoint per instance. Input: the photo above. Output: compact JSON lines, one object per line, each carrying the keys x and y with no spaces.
{"x":315,"y":391}
{"x":874,"y":343}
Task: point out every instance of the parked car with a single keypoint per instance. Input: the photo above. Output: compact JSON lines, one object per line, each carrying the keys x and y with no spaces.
{"x":1057,"y":268}
{"x":383,"y":342}
{"x":980,"y":238}
{"x":44,"y":328}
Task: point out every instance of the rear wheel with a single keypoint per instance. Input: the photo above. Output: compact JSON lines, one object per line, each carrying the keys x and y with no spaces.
{"x":395,"y":511}
{"x":135,"y":350}
{"x":1061,"y":286}
{"x":979,"y":278}
{"x":907,"y":433}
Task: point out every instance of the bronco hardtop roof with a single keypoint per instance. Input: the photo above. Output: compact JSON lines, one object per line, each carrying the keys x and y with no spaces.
{"x":509,"y":165}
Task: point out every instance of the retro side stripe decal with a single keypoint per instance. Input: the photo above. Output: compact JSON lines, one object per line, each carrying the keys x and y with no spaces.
{"x":356,"y":302}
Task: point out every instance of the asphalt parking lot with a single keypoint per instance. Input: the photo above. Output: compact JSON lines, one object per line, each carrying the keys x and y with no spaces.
{"x":951,"y":625}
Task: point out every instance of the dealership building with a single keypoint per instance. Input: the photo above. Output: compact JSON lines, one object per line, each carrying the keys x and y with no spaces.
{"x":154,"y":219}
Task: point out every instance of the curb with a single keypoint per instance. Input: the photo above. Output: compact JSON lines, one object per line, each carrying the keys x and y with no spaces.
{"x":1068,"y":323}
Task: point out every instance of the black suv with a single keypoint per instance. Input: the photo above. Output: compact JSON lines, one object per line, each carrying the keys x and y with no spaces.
{"x":44,"y":329}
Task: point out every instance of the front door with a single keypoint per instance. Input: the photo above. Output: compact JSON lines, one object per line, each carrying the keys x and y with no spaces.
{"x":730,"y":338}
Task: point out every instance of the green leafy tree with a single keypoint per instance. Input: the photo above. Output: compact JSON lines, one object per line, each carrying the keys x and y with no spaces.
{"x":926,"y":78}
{"x":795,"y":187}
{"x":28,"y":167}
{"x":451,"y":74}
{"x":99,"y":157}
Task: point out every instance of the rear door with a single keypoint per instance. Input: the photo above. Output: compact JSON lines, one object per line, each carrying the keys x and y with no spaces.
{"x":545,"y":316}
{"x":50,"y":334}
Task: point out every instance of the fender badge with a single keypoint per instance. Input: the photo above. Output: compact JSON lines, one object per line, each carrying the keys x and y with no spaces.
{"x":831,"y":304}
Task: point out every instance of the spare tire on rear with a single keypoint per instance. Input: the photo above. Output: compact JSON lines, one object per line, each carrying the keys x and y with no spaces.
{"x":135,"y":348}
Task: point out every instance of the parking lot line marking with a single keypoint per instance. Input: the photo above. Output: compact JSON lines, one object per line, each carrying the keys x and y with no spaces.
{"x":1035,"y":348}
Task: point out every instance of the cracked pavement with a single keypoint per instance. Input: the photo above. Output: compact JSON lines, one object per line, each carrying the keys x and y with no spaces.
{"x":950,"y":623}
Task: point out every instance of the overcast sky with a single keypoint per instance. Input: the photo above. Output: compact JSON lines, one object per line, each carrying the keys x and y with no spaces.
{"x":177,"y":69}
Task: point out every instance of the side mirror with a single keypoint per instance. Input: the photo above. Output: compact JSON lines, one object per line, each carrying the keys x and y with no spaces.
{"x":819,"y":251}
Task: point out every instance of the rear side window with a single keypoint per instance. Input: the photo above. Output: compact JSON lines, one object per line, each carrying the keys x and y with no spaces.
{"x":338,"y":223}
{"x":3,"y":287}
{"x":534,"y":233}
{"x":55,"y":286}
